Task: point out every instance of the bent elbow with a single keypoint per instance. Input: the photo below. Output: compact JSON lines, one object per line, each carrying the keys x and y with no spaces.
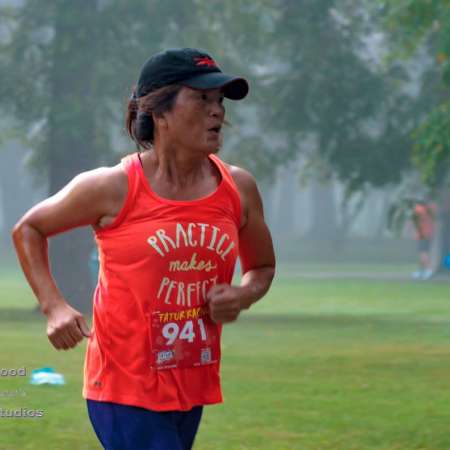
{"x":21,"y":231}
{"x":17,"y":231}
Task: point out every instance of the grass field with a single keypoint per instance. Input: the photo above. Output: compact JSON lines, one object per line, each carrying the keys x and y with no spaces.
{"x":318,"y":364}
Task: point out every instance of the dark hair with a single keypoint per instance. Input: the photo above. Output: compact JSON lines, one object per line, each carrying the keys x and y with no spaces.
{"x":139,"y":119}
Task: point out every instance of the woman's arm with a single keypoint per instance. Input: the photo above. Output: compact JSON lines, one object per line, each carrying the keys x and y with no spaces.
{"x":84,"y":201}
{"x":256,"y":254}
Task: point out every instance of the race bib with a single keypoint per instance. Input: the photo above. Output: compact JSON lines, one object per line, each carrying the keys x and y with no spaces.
{"x":183,"y":338}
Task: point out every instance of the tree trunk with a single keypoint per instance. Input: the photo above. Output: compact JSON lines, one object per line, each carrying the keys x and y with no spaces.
{"x":16,"y":191}
{"x":266,"y":189}
{"x":442,"y":238}
{"x":323,"y":210}
{"x":14,"y":201}
{"x":284,"y":224}
{"x":71,"y":133}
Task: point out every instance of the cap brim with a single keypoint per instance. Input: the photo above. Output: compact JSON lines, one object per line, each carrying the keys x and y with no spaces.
{"x":234,"y":88}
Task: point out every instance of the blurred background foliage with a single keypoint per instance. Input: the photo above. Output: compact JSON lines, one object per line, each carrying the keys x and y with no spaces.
{"x":357,"y":90}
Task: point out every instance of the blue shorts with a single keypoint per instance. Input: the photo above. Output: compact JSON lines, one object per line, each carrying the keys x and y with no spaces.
{"x":423,"y":245}
{"x":124,"y":427}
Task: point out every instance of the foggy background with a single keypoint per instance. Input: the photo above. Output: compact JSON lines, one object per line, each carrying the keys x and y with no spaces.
{"x":347,"y":117}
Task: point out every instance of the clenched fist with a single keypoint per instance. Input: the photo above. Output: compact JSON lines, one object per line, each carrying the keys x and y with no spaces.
{"x":225,"y":302}
{"x":66,"y":326}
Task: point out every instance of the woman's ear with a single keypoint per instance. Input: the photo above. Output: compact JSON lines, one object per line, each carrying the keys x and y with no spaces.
{"x":160,"y":120}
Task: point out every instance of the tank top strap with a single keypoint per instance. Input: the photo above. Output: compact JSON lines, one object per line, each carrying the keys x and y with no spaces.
{"x":231,"y":187}
{"x":131,"y":165}
{"x":128,"y":163}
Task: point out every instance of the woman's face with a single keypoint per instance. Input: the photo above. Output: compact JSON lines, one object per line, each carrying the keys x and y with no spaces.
{"x":196,"y":120}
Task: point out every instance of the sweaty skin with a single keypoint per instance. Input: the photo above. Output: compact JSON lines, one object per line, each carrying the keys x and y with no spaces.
{"x":177,"y":168}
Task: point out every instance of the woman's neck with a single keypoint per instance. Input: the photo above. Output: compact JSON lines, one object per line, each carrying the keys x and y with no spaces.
{"x":176,"y":166}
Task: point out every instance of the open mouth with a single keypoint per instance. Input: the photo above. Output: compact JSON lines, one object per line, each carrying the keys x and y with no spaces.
{"x":215,"y":129}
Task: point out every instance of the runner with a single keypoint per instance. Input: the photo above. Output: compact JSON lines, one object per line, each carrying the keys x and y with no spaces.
{"x":169,"y":222}
{"x":424,"y":219}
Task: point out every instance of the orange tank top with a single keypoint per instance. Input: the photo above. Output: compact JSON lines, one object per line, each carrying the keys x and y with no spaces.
{"x":153,"y":344}
{"x":425,"y":223}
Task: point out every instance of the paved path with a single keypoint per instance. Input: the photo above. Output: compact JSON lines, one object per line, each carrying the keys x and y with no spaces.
{"x":376,"y":276}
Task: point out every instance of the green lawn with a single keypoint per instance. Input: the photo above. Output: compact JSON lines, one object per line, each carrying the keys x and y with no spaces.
{"x":317,"y":364}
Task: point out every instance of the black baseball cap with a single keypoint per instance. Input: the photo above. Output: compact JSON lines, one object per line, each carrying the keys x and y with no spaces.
{"x":188,"y":67}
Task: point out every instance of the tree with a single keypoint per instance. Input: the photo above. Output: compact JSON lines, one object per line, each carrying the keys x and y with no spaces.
{"x":317,"y":93}
{"x":414,"y":25}
{"x":16,"y":193}
{"x":69,"y":71}
{"x":53,"y":47}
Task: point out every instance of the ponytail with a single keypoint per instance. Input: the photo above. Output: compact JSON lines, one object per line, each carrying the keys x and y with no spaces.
{"x":139,"y":118}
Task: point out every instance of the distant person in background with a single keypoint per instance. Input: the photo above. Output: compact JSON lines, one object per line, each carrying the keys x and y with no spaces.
{"x":424,"y":216}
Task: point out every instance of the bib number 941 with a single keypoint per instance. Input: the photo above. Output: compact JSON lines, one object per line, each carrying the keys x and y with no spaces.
{"x":183,"y":339}
{"x":171,"y":331}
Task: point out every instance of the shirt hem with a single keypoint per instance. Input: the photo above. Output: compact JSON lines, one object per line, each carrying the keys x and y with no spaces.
{"x":135,"y":401}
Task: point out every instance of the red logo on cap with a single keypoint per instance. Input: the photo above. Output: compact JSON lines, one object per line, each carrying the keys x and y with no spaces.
{"x":205,"y":61}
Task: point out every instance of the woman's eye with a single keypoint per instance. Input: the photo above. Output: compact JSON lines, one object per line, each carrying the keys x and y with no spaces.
{"x":205,"y":98}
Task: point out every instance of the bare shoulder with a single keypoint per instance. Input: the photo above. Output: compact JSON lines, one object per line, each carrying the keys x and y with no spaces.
{"x":92,"y":197}
{"x":248,"y":190}
{"x":112,"y":182}
{"x":240,"y":175}
{"x":107,"y":187}
{"x":244,"y":180}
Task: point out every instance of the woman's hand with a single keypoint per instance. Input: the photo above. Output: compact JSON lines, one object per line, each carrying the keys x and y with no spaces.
{"x":225,"y":302}
{"x":66,"y":326}
{"x":88,"y":199}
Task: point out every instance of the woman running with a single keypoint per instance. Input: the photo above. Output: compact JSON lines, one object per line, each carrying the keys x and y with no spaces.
{"x":169,"y":222}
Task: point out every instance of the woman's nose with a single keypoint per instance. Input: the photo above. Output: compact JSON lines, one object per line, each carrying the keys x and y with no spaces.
{"x":217,"y":109}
